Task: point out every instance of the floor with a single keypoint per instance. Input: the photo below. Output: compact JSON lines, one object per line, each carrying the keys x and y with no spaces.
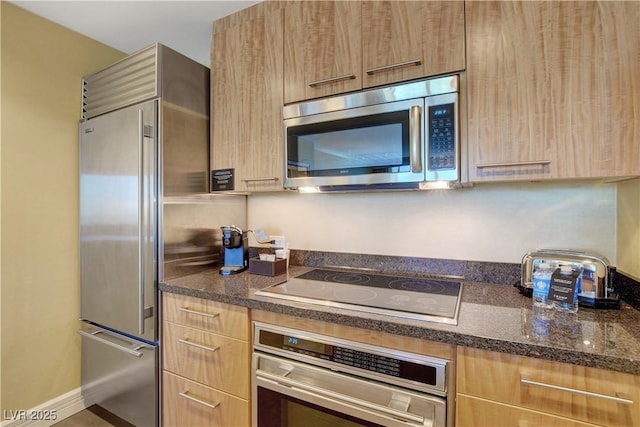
{"x":93,"y":416}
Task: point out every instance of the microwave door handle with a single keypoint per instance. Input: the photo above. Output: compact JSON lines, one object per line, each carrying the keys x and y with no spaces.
{"x":415,"y":138}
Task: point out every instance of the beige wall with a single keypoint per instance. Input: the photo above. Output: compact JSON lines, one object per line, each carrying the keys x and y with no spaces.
{"x":628,"y":231}
{"x":498,"y":222}
{"x":42,"y":65}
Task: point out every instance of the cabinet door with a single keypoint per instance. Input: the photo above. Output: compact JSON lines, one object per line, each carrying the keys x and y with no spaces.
{"x":212,"y":316}
{"x":553,"y":89}
{"x":403,"y":40}
{"x":323,"y":51}
{"x":580,"y":393}
{"x":246,"y":93}
{"x":473,"y":412}
{"x":210,"y":359}
{"x":189,"y":404}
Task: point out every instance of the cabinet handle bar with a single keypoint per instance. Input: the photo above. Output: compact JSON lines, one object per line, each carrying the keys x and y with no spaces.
{"x":199,"y":313}
{"x":581,"y":392}
{"x":415,"y":62}
{"x":200,"y":346}
{"x":332,"y":80}
{"x":274,"y":178}
{"x":202,"y":402}
{"x":509,"y":164}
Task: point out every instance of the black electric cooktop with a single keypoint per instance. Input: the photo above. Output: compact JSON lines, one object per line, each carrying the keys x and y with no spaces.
{"x":407,"y":297}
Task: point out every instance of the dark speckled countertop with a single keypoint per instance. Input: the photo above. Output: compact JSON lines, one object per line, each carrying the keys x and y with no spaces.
{"x":492,"y":316}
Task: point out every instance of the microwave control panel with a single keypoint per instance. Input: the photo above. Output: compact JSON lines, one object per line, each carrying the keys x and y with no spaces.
{"x":442,"y":140}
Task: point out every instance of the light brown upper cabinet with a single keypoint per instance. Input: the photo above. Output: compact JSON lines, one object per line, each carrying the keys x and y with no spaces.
{"x":334,"y":47}
{"x":322,"y":50}
{"x":404,"y":40}
{"x":247,"y":97}
{"x":553,"y":90}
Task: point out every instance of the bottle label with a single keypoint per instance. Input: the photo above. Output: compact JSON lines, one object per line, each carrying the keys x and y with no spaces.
{"x":563,"y":286}
{"x":541,"y":287}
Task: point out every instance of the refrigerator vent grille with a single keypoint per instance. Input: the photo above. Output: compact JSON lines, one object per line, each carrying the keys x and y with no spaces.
{"x":129,"y":81}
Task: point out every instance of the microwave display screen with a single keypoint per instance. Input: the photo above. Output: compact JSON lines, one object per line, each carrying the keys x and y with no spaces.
{"x":370,"y":144}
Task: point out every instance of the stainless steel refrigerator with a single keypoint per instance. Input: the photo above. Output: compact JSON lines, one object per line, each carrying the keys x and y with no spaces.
{"x":144,"y":138}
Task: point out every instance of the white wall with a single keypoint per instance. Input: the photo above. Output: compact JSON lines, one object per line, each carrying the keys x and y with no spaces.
{"x":497,"y":222}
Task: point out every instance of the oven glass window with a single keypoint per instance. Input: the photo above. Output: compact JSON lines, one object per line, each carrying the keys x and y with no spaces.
{"x":278,"y":410}
{"x":370,"y":144}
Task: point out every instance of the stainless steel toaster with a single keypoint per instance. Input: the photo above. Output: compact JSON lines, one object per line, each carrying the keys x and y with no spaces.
{"x":597,"y":289}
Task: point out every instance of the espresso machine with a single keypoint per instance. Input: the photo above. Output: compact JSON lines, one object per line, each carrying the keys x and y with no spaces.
{"x":236,"y":252}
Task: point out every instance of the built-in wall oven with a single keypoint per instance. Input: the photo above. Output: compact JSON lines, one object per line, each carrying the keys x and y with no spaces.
{"x":302,"y":378}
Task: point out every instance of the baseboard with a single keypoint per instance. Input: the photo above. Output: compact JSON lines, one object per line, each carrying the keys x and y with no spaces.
{"x":48,"y":413}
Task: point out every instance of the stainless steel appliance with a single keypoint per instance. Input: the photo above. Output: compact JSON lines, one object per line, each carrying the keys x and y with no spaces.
{"x":302,"y":378}
{"x":143,"y":143}
{"x":398,"y":137}
{"x":236,"y":251}
{"x":417,"y":298}
{"x":597,"y":275}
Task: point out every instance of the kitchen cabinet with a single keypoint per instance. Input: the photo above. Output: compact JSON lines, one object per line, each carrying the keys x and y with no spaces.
{"x":476,"y":412}
{"x":206,"y":362}
{"x":323,"y":52}
{"x":497,"y":389}
{"x":404,"y":40}
{"x":247,"y":97}
{"x":334,"y":47}
{"x":189,"y":403}
{"x":553,"y":90}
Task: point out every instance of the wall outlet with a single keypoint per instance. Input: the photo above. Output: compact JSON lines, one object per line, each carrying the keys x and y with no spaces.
{"x":277,"y":242}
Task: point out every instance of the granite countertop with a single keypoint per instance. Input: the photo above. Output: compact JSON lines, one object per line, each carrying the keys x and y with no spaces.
{"x":492,"y":316}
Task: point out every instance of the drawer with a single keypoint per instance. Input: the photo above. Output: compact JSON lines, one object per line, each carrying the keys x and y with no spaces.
{"x":213,"y":360}
{"x":217,"y":317}
{"x":474,"y":412}
{"x":187,"y":403}
{"x":586,"y":394}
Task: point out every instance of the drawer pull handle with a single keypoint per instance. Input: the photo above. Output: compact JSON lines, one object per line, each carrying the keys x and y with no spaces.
{"x":415,"y":63}
{"x":332,"y":80}
{"x":512,"y":164}
{"x":580,"y":392}
{"x":200,"y":346}
{"x":186,"y":395}
{"x":132,"y":349}
{"x":198,"y":313}
{"x":274,"y":178}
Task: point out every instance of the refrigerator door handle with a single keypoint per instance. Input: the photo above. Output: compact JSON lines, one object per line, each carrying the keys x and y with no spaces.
{"x":94,"y":336}
{"x":141,"y":223}
{"x":145,"y":205}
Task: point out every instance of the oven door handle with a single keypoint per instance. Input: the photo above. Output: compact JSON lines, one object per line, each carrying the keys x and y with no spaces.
{"x":342,"y":399}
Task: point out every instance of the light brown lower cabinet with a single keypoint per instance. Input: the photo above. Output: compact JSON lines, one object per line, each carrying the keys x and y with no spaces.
{"x":476,"y":412}
{"x":206,"y":377}
{"x":188,"y":403}
{"x":208,"y":358}
{"x":497,"y":389}
{"x":206,"y":363}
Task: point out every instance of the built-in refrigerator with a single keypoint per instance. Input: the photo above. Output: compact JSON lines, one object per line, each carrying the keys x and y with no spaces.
{"x":144,"y":168}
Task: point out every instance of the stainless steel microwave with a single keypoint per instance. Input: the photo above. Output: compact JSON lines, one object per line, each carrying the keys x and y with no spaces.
{"x":395,"y":137}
